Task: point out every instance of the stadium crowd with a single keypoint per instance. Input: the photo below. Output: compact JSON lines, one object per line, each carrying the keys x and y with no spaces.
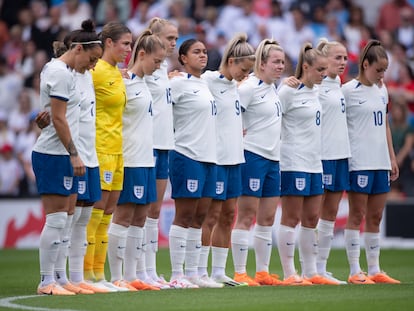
{"x":28,"y":28}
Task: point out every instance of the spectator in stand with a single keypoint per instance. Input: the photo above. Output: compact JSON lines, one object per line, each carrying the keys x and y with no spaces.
{"x":7,"y":136}
{"x":73,"y":12}
{"x":404,"y":87}
{"x":397,"y":55}
{"x":389,"y":17}
{"x":138,"y":22}
{"x":298,"y":33}
{"x":230,"y":12}
{"x":353,"y":36}
{"x":276,"y":24}
{"x":23,"y":149}
{"x":404,"y":33}
{"x":338,"y":8}
{"x":14,"y":47}
{"x":403,"y":141}
{"x":11,"y":172}
{"x":121,"y":8}
{"x":19,"y":116}
{"x":24,"y":65}
{"x":11,"y":83}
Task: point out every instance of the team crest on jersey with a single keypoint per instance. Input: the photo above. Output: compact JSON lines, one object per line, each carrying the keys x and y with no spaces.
{"x":192,"y":185}
{"x":139,"y":191}
{"x":219,"y":187}
{"x":81,"y":187}
{"x":254,"y":184}
{"x":107,"y":176}
{"x":300,"y":183}
{"x":362,"y":181}
{"x":327,"y":179}
{"x":67,"y":182}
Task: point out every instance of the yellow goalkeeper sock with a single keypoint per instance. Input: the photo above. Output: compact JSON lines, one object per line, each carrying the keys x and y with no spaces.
{"x":91,"y":228}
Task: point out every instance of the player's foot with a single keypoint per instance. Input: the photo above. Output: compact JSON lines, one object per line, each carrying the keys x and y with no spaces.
{"x":328,"y":275}
{"x":244,"y":278}
{"x":211,"y":283}
{"x":109,"y":285}
{"x":76,"y":289}
{"x":159,"y":285}
{"x":295,"y":280}
{"x":360,"y":278}
{"x":53,"y":289}
{"x":124,"y":284}
{"x":382,"y":277}
{"x":320,"y":280}
{"x":182,"y":282}
{"x":92,"y":287}
{"x":226,"y":281}
{"x":265,"y":278}
{"x":140,"y":285}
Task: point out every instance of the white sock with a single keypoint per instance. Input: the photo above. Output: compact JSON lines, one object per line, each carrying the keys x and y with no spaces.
{"x":262,"y":247}
{"x":372,"y":251}
{"x":78,"y":244}
{"x":203,"y":262}
{"x":325,"y":237}
{"x":352,"y":246}
{"x":286,"y":246}
{"x":117,"y":236}
{"x":60,"y":266}
{"x":151,"y":237}
{"x":240,"y":249}
{"x":218,"y":261}
{"x":308,"y":248}
{"x":49,"y":245}
{"x":133,"y":251}
{"x":177,"y":244}
{"x":192,"y":252}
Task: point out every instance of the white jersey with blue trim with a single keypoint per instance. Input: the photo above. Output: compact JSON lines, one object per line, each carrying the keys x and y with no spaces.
{"x":87,"y":129}
{"x":229,"y":129}
{"x":137,"y":125}
{"x":57,"y":80}
{"x":335,"y":140}
{"x":300,"y":149}
{"x":261,"y":117}
{"x":366,"y":110}
{"x":194,"y":115}
{"x":160,"y":88}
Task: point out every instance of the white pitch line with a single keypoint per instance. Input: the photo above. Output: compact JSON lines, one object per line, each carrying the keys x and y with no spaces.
{"x":8,"y":303}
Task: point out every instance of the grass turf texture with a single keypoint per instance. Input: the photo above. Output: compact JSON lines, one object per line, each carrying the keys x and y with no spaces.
{"x":19,"y":276}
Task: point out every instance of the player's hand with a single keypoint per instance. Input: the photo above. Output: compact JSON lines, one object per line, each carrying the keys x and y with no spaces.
{"x":42,"y":119}
{"x":78,"y":166}
{"x":291,"y":81}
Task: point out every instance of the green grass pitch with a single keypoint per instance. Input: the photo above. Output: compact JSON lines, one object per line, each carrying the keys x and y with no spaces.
{"x":19,"y":276}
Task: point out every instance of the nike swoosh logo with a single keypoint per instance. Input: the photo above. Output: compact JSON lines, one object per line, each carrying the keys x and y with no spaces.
{"x":136,"y":94}
{"x":198,"y":246}
{"x":196,"y":91}
{"x":153,"y":241}
{"x":354,"y":244}
{"x":182,"y":246}
{"x":263,"y":96}
{"x":121,"y":247}
{"x":111,"y":83}
{"x":304,"y":102}
{"x":362,"y":101}
{"x":374,"y":247}
{"x":243,"y":249}
{"x":269,"y":244}
{"x":289,"y":244}
{"x":104,"y":242}
{"x":223,"y":91}
{"x":327,"y":91}
{"x":156,"y":78}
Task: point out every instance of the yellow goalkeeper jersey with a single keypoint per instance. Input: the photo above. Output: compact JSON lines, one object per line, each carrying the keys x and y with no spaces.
{"x":110,"y":103}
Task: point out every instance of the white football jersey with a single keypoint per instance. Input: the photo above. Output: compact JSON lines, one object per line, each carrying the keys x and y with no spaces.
{"x":160,"y":88}
{"x":300,"y":149}
{"x":366,"y":111}
{"x":335,"y":140}
{"x":194,"y":115}
{"x":87,"y":129}
{"x":261,"y":117}
{"x":229,"y":129}
{"x":58,"y":80}
{"x":137,"y":126}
